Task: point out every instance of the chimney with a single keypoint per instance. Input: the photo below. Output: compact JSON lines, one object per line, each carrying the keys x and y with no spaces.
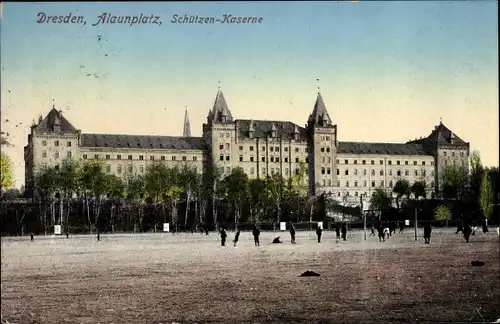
{"x":40,"y":119}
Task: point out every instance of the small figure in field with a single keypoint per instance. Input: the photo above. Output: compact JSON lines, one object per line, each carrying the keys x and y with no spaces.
{"x":344,"y":232}
{"x":386,"y":232}
{"x":32,"y":237}
{"x":256,"y":233}
{"x":337,"y":231}
{"x":392,"y":229}
{"x":223,"y":236}
{"x":460,"y":227}
{"x":277,"y":240}
{"x":206,"y":230}
{"x":485,"y":227}
{"x":192,"y":230}
{"x":236,"y":237}
{"x":98,"y":236}
{"x":427,"y":232}
{"x":319,"y":231}
{"x":372,"y":228}
{"x":67,"y":234}
{"x":381,"y":234}
{"x":401,"y":227}
{"x":292,"y":233}
{"x":467,"y":232}
{"x":474,"y":228}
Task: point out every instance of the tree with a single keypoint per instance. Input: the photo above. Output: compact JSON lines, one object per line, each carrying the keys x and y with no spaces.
{"x":274,"y":185}
{"x":237,"y":191}
{"x":46,"y":184}
{"x":115,"y":193}
{"x":94,"y":183}
{"x":257,"y":199}
{"x":188,"y":181}
{"x":401,"y":189}
{"x":6,"y":174}
{"x":442,"y":213}
{"x":380,"y":200}
{"x":210,"y":182}
{"x":136,"y":193}
{"x":454,"y":180}
{"x":418,"y":189}
{"x":486,"y":198}
{"x":69,"y":184}
{"x":475,"y":177}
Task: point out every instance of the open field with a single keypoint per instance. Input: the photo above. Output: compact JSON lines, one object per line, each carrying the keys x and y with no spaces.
{"x":190,"y":278}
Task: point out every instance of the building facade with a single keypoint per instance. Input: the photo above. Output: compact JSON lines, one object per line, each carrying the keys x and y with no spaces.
{"x":346,"y":170}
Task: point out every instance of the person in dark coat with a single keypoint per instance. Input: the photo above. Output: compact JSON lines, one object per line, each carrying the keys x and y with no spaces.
{"x":256,"y":233}
{"x":319,"y":231}
{"x":401,"y":227}
{"x":236,"y":237}
{"x":206,"y":230}
{"x":337,"y":231}
{"x":372,"y":228}
{"x":98,"y":236}
{"x":381,"y":234}
{"x":223,"y":236}
{"x":343,"y":230}
{"x":460,"y":227}
{"x":467,"y":232}
{"x":427,"y":232}
{"x":67,"y":234}
{"x":292,"y":233}
{"x":277,"y":240}
{"x":485,"y":227}
{"x":32,"y":237}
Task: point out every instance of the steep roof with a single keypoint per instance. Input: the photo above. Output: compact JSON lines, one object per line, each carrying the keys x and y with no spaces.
{"x":262,"y":128}
{"x":319,"y":115}
{"x":442,"y":135}
{"x":382,"y":148}
{"x":142,"y":141}
{"x":55,"y":118}
{"x":187,"y":126}
{"x":220,"y":108}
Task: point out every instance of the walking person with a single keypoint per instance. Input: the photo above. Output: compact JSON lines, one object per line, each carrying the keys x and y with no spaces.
{"x":98,"y":236}
{"x":343,"y":230}
{"x":467,"y":232}
{"x":337,"y":231}
{"x":319,"y":231}
{"x":401,"y":227}
{"x":256,"y":233}
{"x":292,"y":233}
{"x":236,"y":237}
{"x":372,"y":228}
{"x":381,"y":233}
{"x":32,"y":237}
{"x":460,"y":227}
{"x":427,"y":232}
{"x":223,"y":236}
{"x":67,"y":234}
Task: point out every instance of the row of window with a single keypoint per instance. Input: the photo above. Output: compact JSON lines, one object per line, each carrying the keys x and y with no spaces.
{"x":263,"y":148}
{"x":272,"y":159}
{"x":381,"y":172}
{"x":263,"y":171}
{"x":141,"y":157}
{"x":56,"y":143}
{"x":69,"y":155}
{"x":453,"y":153}
{"x":365,"y":184}
{"x":381,"y":162}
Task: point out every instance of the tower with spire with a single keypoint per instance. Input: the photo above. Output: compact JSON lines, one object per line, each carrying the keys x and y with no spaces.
{"x":322,"y":148}
{"x":187,"y":127}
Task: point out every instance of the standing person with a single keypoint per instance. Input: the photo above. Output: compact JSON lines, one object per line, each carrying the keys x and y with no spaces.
{"x":381,"y":233}
{"x":474,"y":228}
{"x":427,"y":232}
{"x":98,"y":236}
{"x":292,"y":233}
{"x":467,"y":231}
{"x":485,"y":226}
{"x":236,"y":237}
{"x":256,"y":233}
{"x":344,"y":232}
{"x":460,"y":227}
{"x":337,"y":231}
{"x":32,"y":237}
{"x":319,"y":231}
{"x":372,"y":228}
{"x":206,"y":230}
{"x":401,"y":227}
{"x":67,"y":234}
{"x":223,"y":236}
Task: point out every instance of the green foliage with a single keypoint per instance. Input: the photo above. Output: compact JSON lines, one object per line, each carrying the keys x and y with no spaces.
{"x":454,"y":181}
{"x":380,"y":200}
{"x":6,"y":173}
{"x":486,"y":195}
{"x":401,"y":188}
{"x":442,"y":213}
{"x":418,"y":189}
{"x":237,"y":186}
{"x":94,"y":179}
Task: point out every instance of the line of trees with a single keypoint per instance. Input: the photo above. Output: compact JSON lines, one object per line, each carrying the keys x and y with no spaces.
{"x":81,"y":194}
{"x":476,"y":188}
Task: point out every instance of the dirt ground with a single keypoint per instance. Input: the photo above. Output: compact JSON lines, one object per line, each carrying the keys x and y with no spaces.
{"x":190,"y":278}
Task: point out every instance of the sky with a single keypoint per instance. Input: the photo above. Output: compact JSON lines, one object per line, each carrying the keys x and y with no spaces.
{"x":388,"y":71}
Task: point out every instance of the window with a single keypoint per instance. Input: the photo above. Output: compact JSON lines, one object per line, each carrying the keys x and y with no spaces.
{"x":414,"y":162}
{"x":432,"y":173}
{"x":251,"y":148}
{"x":162,"y":158}
{"x":271,"y":149}
{"x":44,"y":143}
{"x":44,"y":155}
{"x":355,"y":171}
{"x":108,"y":156}
{"x":347,"y":183}
{"x":129,"y":168}
{"x":346,"y":161}
{"x":432,"y":163}
{"x":389,"y":162}
{"x":373,"y":172}
{"x":364,"y":172}
{"x":356,"y":194}
{"x":328,"y":171}
{"x":96,"y":156}
{"x":286,"y":149}
{"x":365,"y":183}
{"x":324,"y":182}
{"x":277,"y":149}
{"x":221,"y":157}
{"x":461,"y":153}
{"x":338,"y":183}
{"x":174,"y":158}
{"x":69,"y":155}
{"x":322,"y":149}
{"x":397,"y":162}
{"x":381,"y":172}
{"x":286,"y":160}
{"x":272,"y":158}
{"x":355,"y":161}
{"x":407,"y":173}
{"x":424,"y":173}
{"x":56,"y":143}
{"x":151,"y":157}
{"x":355,"y":183}
{"x":141,"y":157}
{"x":263,"y":159}
{"x":406,"y":162}
{"x":221,"y":147}
{"x":241,"y":148}
{"x":390,"y":172}
{"x":382,"y":183}
{"x":286,"y":171}
{"x":327,"y":150}
{"x":329,"y":160}
{"x":252,"y":170}
{"x":338,"y":172}
{"x":337,"y":161}
{"x":381,"y":162}
{"x":347,"y":172}
{"x":108,"y":168}
{"x":373,"y":183}
{"x":130,"y":157}
{"x":68,"y":144}
{"x":423,"y":162}
{"x":307,"y":160}
{"x":322,"y":170}
{"x":118,"y":157}
{"x":328,"y":138}
{"x":277,"y":159}
{"x":398,"y":173}
{"x":329,"y":183}
{"x":364,"y":161}
{"x":241,"y":158}
{"x":119,"y":169}
{"x":195,"y":158}
{"x":263,"y":148}
{"x":296,"y":160}
{"x":84,"y":156}
{"x":444,"y":153}
{"x":251,"y":159}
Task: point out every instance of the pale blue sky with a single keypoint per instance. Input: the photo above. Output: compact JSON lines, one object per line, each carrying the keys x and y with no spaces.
{"x":380,"y":63}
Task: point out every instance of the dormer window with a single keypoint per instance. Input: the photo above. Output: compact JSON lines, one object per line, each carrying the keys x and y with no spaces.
{"x":223,"y":119}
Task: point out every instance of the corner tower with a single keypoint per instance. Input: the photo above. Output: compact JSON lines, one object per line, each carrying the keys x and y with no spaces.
{"x":322,"y":149}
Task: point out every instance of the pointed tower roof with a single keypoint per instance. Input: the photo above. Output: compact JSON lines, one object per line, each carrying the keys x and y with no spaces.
{"x":220,"y":108}
{"x":320,"y":115}
{"x":55,"y":118}
{"x":187,"y":126}
{"x":442,"y":135}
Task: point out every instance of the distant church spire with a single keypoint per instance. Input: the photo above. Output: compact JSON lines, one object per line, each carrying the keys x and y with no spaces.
{"x":187,"y":126}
